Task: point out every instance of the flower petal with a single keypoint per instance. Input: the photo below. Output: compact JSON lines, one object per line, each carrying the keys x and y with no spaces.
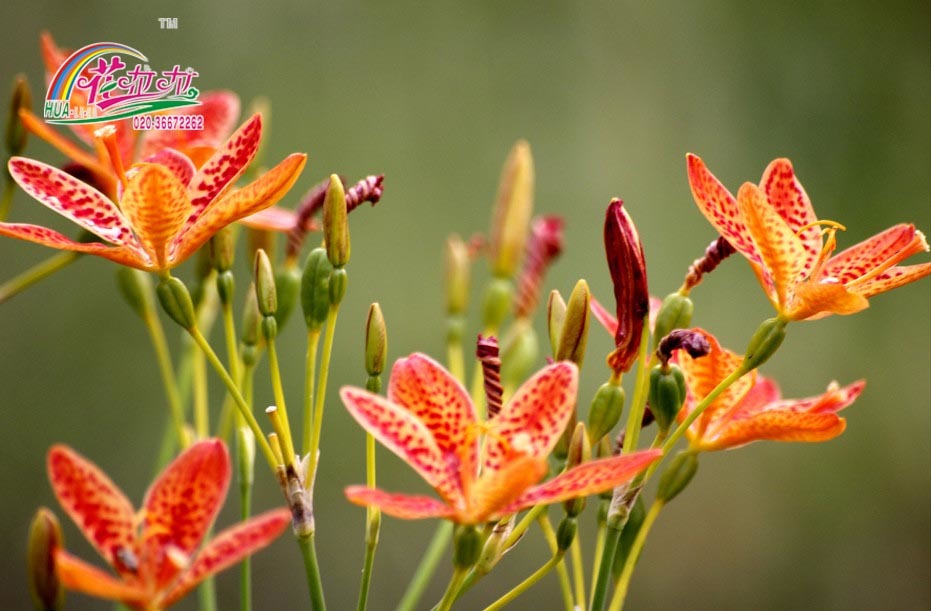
{"x":103,"y":174}
{"x":179,"y":163}
{"x":271,"y":219}
{"x":494,"y":492}
{"x":875,"y":254}
{"x":256,"y":196}
{"x":77,"y":575}
{"x":777,"y":425}
{"x":226,"y":165}
{"x":588,"y":478}
{"x":816,"y":300}
{"x":219,"y":109}
{"x":228,"y":548}
{"x":47,"y":237}
{"x":403,"y":506}
{"x":785,"y":193}
{"x":403,"y":433}
{"x":532,"y":421}
{"x":96,"y":505}
{"x":831,"y":401}
{"x":156,"y":205}
{"x":892,"y":278}
{"x":73,"y":199}
{"x":602,"y":315}
{"x":182,"y":504}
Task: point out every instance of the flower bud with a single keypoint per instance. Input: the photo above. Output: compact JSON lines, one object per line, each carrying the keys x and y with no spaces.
{"x":136,"y":288}
{"x":44,"y":538}
{"x":222,"y":249}
{"x":605,"y":410}
{"x":16,"y":133}
{"x":467,"y":546}
{"x":265,"y":291}
{"x":667,"y":394}
{"x":580,"y":451}
{"x":497,"y":303}
{"x":458,"y":269}
{"x":337,"y":286}
{"x":315,"y":289}
{"x":675,"y":313}
{"x":677,"y":476}
{"x":629,"y":276}
{"x":336,"y":223}
{"x":250,"y":320}
{"x":487,"y":353}
{"x":287,"y":288}
{"x":513,"y":208}
{"x":176,"y":301}
{"x":574,"y":335}
{"x":376,"y":341}
{"x":226,"y":286}
{"x":565,"y":533}
{"x":764,"y":343}
{"x":555,"y":317}
{"x":245,"y":456}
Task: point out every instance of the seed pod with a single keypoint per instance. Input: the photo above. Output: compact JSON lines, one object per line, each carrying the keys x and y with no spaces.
{"x":467,"y":546}
{"x":605,"y":410}
{"x":667,"y":394}
{"x":764,"y":343}
{"x":176,"y":301}
{"x":315,"y":289}
{"x":675,"y":313}
{"x":677,"y":476}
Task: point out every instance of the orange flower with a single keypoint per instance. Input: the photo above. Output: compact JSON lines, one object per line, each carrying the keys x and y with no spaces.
{"x":168,"y":208}
{"x":430,"y":422}
{"x":752,"y":408}
{"x":773,"y":225}
{"x":155,"y":551}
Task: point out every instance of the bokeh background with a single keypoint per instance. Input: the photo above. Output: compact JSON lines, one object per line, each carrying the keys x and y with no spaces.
{"x":611,"y":95}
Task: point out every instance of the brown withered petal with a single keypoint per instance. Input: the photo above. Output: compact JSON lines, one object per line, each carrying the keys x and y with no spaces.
{"x":486,"y":350}
{"x":716,"y":252}
{"x":629,"y":276}
{"x":545,"y":244}
{"x":691,"y":341}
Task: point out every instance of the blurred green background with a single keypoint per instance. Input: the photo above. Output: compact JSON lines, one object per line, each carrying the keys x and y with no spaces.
{"x":611,"y":96}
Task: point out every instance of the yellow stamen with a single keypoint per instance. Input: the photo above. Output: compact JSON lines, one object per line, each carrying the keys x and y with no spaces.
{"x":107,"y":135}
{"x":831,"y":228}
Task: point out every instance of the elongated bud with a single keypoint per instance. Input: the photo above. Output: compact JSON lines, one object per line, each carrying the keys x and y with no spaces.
{"x":44,"y":538}
{"x":565,"y":532}
{"x":580,"y":451}
{"x":486,"y":351}
{"x":513,"y":209}
{"x":176,"y":301}
{"x":222,"y":249}
{"x":458,"y":271}
{"x":605,"y":410}
{"x":574,"y":335}
{"x":136,"y":288}
{"x":555,"y":317}
{"x":376,"y":341}
{"x":16,"y":133}
{"x":245,"y":455}
{"x":467,"y":546}
{"x":287,"y":288}
{"x":250,"y":320}
{"x":336,"y":223}
{"x":629,"y":276}
{"x":764,"y":343}
{"x":315,"y":289}
{"x":521,"y":351}
{"x":667,"y":394}
{"x":675,"y":313}
{"x":544,"y":247}
{"x":497,"y":303}
{"x":265,"y":290}
{"x":677,"y":476}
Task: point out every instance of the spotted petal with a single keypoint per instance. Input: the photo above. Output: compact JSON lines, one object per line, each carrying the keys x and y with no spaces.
{"x":892,"y":278}
{"x":788,"y":197}
{"x":75,"y":574}
{"x":47,"y":237}
{"x":404,"y":506}
{"x":179,"y":164}
{"x":776,"y":425}
{"x":94,"y":502}
{"x":813,"y":300}
{"x":875,"y":254}
{"x":156,"y":205}
{"x":496,"y":491}
{"x":226,"y":165}
{"x":219,"y":109}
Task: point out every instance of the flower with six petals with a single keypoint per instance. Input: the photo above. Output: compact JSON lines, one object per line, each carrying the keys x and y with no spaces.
{"x":155,"y":551}
{"x":774,"y":226}
{"x":429,"y":421}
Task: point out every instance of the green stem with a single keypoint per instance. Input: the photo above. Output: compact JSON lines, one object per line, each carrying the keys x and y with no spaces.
{"x":599,"y":593}
{"x":526,"y":584}
{"x":207,"y":594}
{"x":321,"y":396}
{"x":578,"y":572}
{"x":452,"y":590}
{"x":312,"y":569}
{"x":620,"y":592}
{"x":313,"y":340}
{"x":639,"y":400}
{"x":600,"y":539}
{"x":157,"y":335}
{"x":287,"y":444}
{"x":34,"y":274}
{"x":201,"y":416}
{"x":565,"y":586}
{"x":699,"y":409}
{"x":9,"y":188}
{"x":455,"y":359}
{"x":427,"y":566}
{"x":372,"y":514}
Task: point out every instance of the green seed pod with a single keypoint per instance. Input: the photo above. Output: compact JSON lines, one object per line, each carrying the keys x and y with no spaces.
{"x":136,"y":288}
{"x":555,"y":318}
{"x":467,"y":546}
{"x":265,"y":291}
{"x":44,"y":538}
{"x":337,"y":286}
{"x":287,"y":287}
{"x":605,"y":410}
{"x":176,"y":301}
{"x":565,"y":533}
{"x":677,"y":476}
{"x":675,"y":313}
{"x":667,"y":394}
{"x":458,"y":272}
{"x":226,"y":286}
{"x":376,"y":341}
{"x":510,"y":223}
{"x":574,"y":335}
{"x":497,"y":303}
{"x":16,"y":133}
{"x":315,"y":289}
{"x":336,"y":223}
{"x":764,"y":343}
{"x":580,"y":451}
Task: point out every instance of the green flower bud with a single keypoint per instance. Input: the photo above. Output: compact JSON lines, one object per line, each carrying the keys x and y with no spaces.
{"x":565,"y":533}
{"x":250,"y":320}
{"x":497,"y":303}
{"x":287,"y":287}
{"x":580,"y":451}
{"x":376,"y":341}
{"x":467,"y":546}
{"x":223,"y":248}
{"x":245,"y":456}
{"x":44,"y":538}
{"x":677,"y":476}
{"x":337,"y":286}
{"x":574,"y":335}
{"x":605,"y":410}
{"x":675,"y":313}
{"x":458,"y":272}
{"x":16,"y":133}
{"x":336,"y":223}
{"x":136,"y":288}
{"x":315,"y":289}
{"x":226,"y":286}
{"x":510,"y":222}
{"x":265,"y":291}
{"x":667,"y":394}
{"x":176,"y":301}
{"x":764,"y":343}
{"x":555,"y":318}
{"x":269,"y":328}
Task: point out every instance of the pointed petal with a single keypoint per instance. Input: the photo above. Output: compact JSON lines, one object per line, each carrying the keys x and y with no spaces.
{"x":271,"y":219}
{"x":816,"y":300}
{"x":785,"y":193}
{"x":156,"y":205}
{"x":439,"y":401}
{"x":776,"y":426}
{"x":588,"y":478}
{"x":219,"y":109}
{"x":68,"y":148}
{"x":256,"y":196}
{"x":47,"y":237}
{"x":831,"y":401}
{"x":73,"y":199}
{"x":96,"y":505}
{"x":602,"y":315}
{"x":893,"y":277}
{"x":404,"y":434}
{"x":493,"y":493}
{"x":77,"y":575}
{"x":403,"y":506}
{"x":52,"y":55}
{"x":226,"y":165}
{"x":178,"y":163}
{"x":532,"y":421}
{"x":875,"y":254}
{"x":229,"y":547}
{"x":183,"y":502}
{"x":720,"y":208}
{"x":782,"y":252}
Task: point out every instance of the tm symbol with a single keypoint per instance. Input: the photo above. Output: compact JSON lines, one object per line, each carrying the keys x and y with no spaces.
{"x":168,"y":23}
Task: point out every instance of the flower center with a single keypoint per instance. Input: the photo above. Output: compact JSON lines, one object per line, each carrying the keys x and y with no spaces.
{"x":829,"y":230}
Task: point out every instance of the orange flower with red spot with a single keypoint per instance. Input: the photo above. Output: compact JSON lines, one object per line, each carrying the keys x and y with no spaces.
{"x":155,"y":551}
{"x":430,"y":422}
{"x":774,"y":226}
{"x":752,"y":409}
